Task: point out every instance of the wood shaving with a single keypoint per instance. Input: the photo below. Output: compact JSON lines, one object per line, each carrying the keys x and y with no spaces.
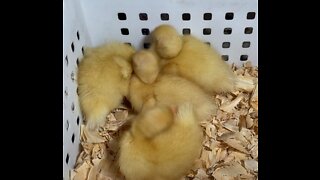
{"x":201,"y":174}
{"x":251,"y":164}
{"x":230,"y":107}
{"x":245,"y":83}
{"x":230,"y":146}
{"x":254,"y":98}
{"x":231,"y":125}
{"x":229,"y":171}
{"x":90,"y":136}
{"x":210,"y":130}
{"x":234,"y":138}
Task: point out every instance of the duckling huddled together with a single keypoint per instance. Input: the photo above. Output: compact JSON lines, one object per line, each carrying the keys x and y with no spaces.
{"x":170,"y":87}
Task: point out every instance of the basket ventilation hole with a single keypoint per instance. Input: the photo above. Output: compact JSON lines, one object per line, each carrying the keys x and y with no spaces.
{"x":72,"y":76}
{"x":122,"y":16}
{"x":248,"y":30}
{"x":246,"y":44}
{"x":225,"y":57}
{"x":251,"y":15}
{"x":145,"y":31}
{"x":186,"y":17}
{"x":146,"y":45}
{"x":243,"y":57}
{"x":186,"y":31}
{"x":78,"y":120}
{"x":229,"y":16}
{"x":143,"y":16}
{"x":78,"y":35}
{"x":128,"y":43}
{"x":72,"y":47}
{"x":207,"y":16}
{"x":225,"y":44}
{"x":72,"y":138}
{"x":67,"y":125}
{"x":67,"y":159}
{"x":164,"y":16}
{"x":206,"y":31}
{"x":124,"y":31}
{"x":66,"y":92}
{"x":66,"y":59}
{"x":227,"y":30}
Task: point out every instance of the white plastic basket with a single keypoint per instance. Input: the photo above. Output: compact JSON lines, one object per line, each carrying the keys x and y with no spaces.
{"x":230,"y":26}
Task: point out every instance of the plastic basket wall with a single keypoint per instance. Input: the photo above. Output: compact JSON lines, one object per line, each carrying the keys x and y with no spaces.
{"x":230,"y":26}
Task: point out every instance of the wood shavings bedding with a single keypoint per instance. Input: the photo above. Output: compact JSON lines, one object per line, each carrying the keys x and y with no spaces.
{"x":230,"y":146}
